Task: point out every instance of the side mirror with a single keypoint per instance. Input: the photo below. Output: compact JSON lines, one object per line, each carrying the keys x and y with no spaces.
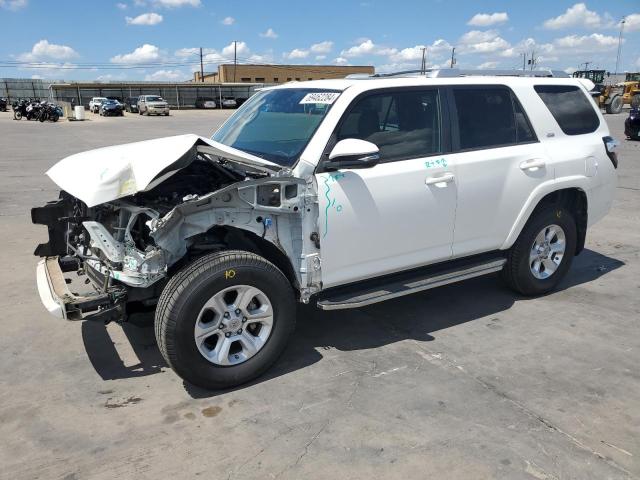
{"x":353,"y":153}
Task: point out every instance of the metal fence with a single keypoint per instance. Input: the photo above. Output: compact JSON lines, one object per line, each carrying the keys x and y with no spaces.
{"x":14,"y":89}
{"x":177,"y":95}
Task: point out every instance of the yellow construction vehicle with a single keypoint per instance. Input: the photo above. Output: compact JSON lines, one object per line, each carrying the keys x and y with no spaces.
{"x":613,"y":97}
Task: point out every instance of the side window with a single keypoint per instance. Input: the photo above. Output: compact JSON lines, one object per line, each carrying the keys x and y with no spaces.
{"x":571,"y":108}
{"x":524,"y":132}
{"x":487,"y":118}
{"x":403,"y":124}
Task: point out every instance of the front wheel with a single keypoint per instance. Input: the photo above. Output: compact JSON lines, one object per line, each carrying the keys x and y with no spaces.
{"x":225,"y":319}
{"x":615,"y":106}
{"x":17,"y":115}
{"x":542,"y":254}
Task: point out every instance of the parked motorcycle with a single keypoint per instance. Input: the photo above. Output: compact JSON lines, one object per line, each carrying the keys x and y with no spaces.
{"x":3,"y":104}
{"x":48,"y":111}
{"x":632,"y":125}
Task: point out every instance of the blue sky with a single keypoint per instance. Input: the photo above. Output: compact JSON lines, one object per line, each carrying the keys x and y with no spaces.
{"x":159,"y":39}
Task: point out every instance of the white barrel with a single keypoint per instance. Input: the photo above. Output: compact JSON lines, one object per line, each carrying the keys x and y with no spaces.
{"x":79,"y":112}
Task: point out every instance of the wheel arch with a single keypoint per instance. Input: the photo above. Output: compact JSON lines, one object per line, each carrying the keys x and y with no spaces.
{"x":224,"y":237}
{"x":573,"y":198}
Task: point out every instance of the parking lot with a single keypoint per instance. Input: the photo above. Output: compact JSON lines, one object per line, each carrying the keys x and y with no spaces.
{"x":465,"y":381}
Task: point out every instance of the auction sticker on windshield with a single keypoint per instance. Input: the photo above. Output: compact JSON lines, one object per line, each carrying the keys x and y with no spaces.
{"x":320,"y":97}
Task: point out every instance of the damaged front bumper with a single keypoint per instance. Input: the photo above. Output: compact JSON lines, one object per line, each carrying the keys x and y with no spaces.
{"x":62,"y":303}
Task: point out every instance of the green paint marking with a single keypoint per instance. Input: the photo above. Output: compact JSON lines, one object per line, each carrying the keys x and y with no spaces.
{"x":331,"y":202}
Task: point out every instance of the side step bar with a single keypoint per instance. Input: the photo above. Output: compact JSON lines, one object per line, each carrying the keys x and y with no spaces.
{"x":408,"y":285}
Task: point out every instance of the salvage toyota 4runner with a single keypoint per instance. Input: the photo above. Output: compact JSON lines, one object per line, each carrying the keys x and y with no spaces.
{"x":340,"y":192}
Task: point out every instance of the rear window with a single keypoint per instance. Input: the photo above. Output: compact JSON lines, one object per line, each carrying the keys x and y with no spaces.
{"x":490,"y":117}
{"x":571,"y":108}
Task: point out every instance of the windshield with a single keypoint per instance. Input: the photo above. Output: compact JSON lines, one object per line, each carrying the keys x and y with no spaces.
{"x":154,"y":99}
{"x":277,"y":124}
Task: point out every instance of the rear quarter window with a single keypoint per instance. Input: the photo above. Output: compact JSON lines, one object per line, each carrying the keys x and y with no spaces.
{"x":571,"y":108}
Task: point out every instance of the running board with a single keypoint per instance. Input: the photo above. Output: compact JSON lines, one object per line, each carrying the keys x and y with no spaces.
{"x":408,"y":285}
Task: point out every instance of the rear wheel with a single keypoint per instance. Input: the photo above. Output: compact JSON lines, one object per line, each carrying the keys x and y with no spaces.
{"x":543,"y":252}
{"x":615,"y":106}
{"x":225,"y":319}
{"x":17,"y":115}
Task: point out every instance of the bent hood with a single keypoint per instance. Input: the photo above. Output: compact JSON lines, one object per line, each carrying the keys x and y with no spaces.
{"x":106,"y":174}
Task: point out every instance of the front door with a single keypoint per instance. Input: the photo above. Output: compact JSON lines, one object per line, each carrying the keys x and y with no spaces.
{"x":400,"y":213}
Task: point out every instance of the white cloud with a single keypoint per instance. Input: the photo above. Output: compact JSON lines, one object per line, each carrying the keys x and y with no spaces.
{"x":341,"y":61}
{"x":177,"y":3}
{"x":242,"y":50}
{"x":122,"y":6}
{"x":166,"y":75}
{"x":13,"y":4}
{"x":632,"y":22}
{"x":320,"y":57}
{"x":297,"y":53}
{"x":144,"y":19}
{"x":367,"y":47}
{"x":569,"y":70}
{"x":43,"y":50}
{"x":270,"y":33}
{"x":596,"y":42}
{"x":228,"y":21}
{"x":477,"y":41}
{"x":486,"y":65}
{"x":578,"y":16}
{"x":322,"y":47}
{"x":488,"y":19}
{"x":36,"y":77}
{"x":145,"y":54}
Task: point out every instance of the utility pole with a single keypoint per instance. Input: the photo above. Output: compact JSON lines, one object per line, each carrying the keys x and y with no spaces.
{"x":524,"y":61}
{"x":201,"y":67}
{"x":532,"y":62}
{"x":586,"y":65}
{"x":235,"y":60}
{"x":453,"y":56}
{"x":423,"y":66}
{"x":620,"y":44}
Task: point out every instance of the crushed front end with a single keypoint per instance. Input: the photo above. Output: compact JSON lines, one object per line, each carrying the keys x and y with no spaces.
{"x":118,"y":232}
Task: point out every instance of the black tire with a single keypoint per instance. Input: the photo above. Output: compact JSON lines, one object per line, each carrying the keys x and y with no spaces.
{"x":635,"y":101}
{"x":615,"y":106}
{"x":17,"y":115}
{"x":517,"y":271}
{"x":183,"y":298}
{"x":54,"y":117}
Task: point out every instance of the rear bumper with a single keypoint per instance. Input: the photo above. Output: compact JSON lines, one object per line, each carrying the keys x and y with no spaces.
{"x":59,"y":300}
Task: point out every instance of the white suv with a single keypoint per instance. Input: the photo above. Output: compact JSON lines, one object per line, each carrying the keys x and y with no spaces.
{"x":341,"y":192}
{"x":94,"y":104}
{"x":148,"y":104}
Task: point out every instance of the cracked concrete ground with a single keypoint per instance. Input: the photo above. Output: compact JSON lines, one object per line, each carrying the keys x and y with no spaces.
{"x":465,"y":381}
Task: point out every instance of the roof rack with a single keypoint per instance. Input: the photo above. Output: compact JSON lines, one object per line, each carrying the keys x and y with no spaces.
{"x":454,"y":72}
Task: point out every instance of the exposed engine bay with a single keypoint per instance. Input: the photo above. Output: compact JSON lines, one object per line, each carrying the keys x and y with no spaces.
{"x":130,"y":245}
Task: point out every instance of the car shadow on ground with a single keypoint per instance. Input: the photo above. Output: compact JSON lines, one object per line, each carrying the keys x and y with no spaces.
{"x":416,"y":317}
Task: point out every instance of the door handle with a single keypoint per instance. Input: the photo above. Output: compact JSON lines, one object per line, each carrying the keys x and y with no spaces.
{"x":532,"y":165}
{"x":443,"y":179}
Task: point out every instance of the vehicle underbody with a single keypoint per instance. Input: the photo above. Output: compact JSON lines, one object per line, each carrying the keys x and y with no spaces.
{"x":126,"y":249}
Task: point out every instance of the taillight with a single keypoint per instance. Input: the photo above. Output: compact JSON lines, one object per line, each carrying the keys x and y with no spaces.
{"x":611,"y":145}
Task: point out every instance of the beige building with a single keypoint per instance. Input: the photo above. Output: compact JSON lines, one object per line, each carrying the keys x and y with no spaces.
{"x":255,"y":73}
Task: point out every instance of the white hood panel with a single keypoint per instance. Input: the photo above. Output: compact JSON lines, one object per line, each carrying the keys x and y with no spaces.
{"x":106,"y":174}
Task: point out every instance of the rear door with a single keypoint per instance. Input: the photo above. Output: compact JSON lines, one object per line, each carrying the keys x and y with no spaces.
{"x":499,"y":162}
{"x":393,"y":216}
